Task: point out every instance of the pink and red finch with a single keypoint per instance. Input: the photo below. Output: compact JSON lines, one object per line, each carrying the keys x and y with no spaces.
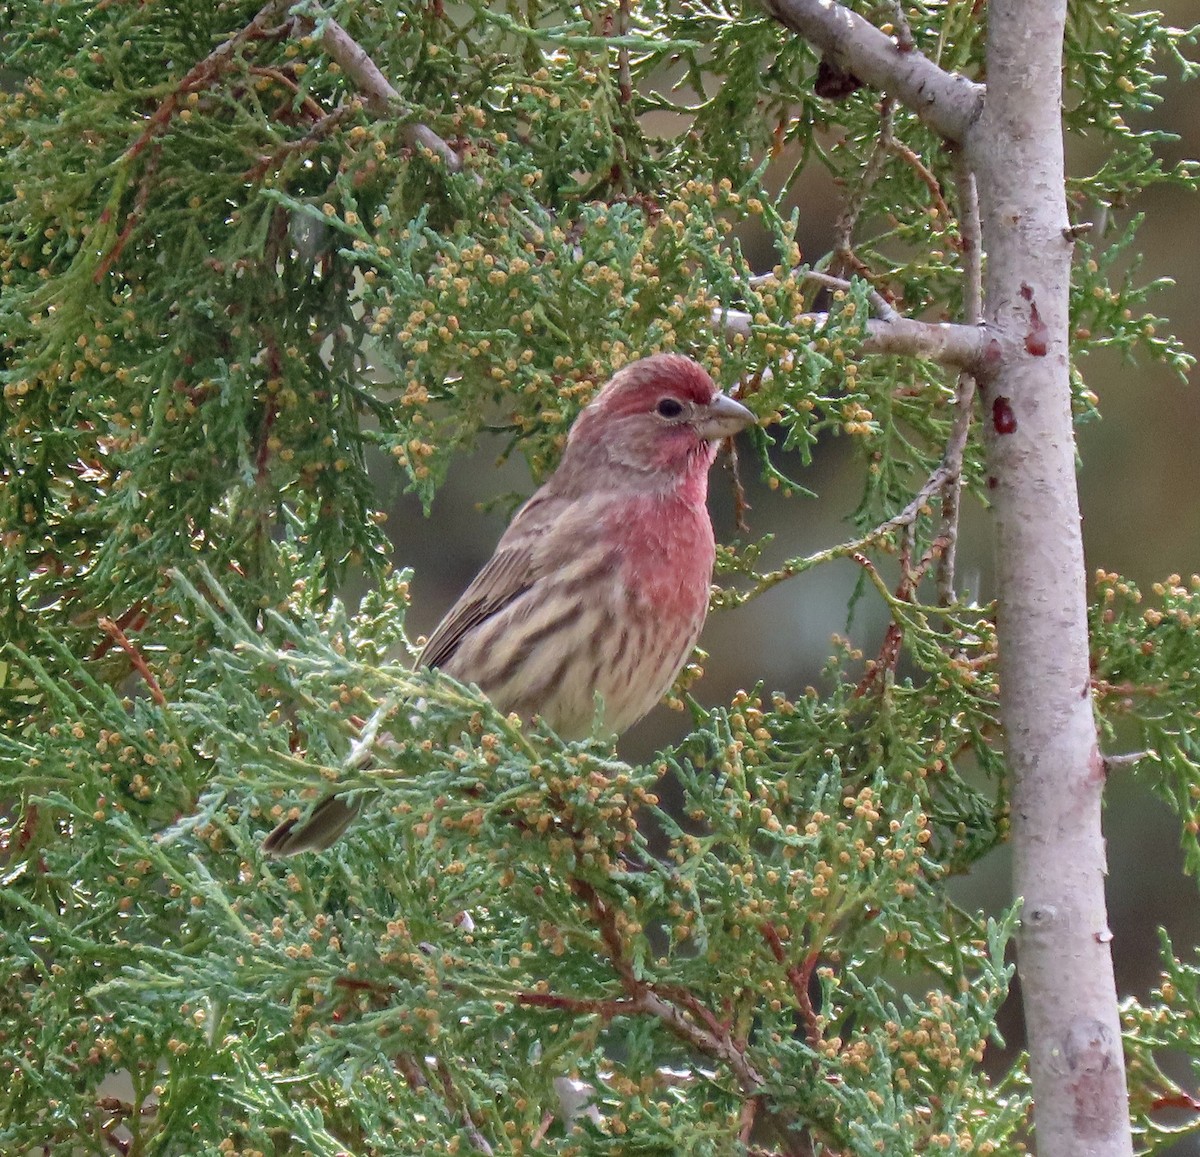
{"x":597,"y":591}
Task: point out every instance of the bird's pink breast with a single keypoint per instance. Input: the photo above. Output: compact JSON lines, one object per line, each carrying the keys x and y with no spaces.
{"x":667,"y":553}
{"x":666,"y":556}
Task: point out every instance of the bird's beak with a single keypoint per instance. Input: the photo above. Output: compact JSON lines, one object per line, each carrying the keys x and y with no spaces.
{"x":722,"y":418}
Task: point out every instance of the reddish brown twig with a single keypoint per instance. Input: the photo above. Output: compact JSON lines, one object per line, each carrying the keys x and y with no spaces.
{"x":116,"y":1112}
{"x":893,"y":638}
{"x":746,"y":1118}
{"x":911,"y":576}
{"x":319,"y":131}
{"x":740,"y":505}
{"x":311,"y":108}
{"x":679,"y":1009}
{"x":410,"y":1071}
{"x":918,"y":166}
{"x":202,"y":74}
{"x":605,"y":1008}
{"x":118,"y":1143}
{"x":199,"y":77}
{"x":685,"y":999}
{"x":847,"y":220}
{"x":131,"y":219}
{"x":455,"y":1101}
{"x":606,"y":922}
{"x":798,"y":976}
{"x":1178,"y":1100}
{"x":743,"y":389}
{"x":354,"y":984}
{"x":269,"y":415}
{"x":884,"y":662}
{"x":28,"y":826}
{"x":132,"y":619}
{"x":135,"y":657}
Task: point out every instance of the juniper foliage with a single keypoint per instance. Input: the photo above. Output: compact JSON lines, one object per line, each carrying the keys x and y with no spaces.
{"x":228,"y":272}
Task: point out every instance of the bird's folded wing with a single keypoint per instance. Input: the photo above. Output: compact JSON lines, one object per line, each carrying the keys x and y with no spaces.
{"x":514,"y":568}
{"x":507,"y":576}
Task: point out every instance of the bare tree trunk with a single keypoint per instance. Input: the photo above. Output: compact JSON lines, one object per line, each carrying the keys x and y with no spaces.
{"x":1071,"y":1015}
{"x":1012,"y":137}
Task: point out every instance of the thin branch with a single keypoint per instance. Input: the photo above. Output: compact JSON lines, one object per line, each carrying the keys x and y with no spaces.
{"x":205,"y":72}
{"x":1125,"y":759}
{"x":378,"y":94}
{"x":680,"y":1010}
{"x":321,"y":129}
{"x":889,"y":141}
{"x":843,"y":246}
{"x":605,"y":920}
{"x":707,"y":1038}
{"x":749,"y":1112}
{"x":880,"y":304}
{"x":848,"y":549}
{"x":798,"y":976}
{"x":198,"y":77}
{"x":968,"y":346}
{"x":624,"y":79}
{"x":138,"y":660}
{"x":740,"y":505}
{"x":946,"y":102}
{"x":1178,"y":1100}
{"x":946,"y":342}
{"x":132,"y":619}
{"x":452,"y":1098}
{"x":714,"y":1044}
{"x":140,"y":201}
{"x":904,"y":36}
{"x":883,"y":667}
{"x":605,"y":1008}
{"x":964,"y":394}
{"x":118,"y":1143}
{"x":281,"y":78}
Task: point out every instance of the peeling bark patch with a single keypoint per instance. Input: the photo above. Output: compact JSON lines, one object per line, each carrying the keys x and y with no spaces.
{"x":1095,"y":1081}
{"x":1035,"y":339}
{"x":1004,"y":421}
{"x":833,"y":81}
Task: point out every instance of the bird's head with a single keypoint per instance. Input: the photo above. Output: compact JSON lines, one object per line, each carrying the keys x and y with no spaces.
{"x":660,"y":417}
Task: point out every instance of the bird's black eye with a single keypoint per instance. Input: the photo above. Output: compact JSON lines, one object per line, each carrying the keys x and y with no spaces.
{"x":668,"y":408}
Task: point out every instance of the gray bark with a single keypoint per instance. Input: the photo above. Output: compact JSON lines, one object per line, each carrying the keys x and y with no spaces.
{"x":1071,"y":1016}
{"x":1013,"y":143}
